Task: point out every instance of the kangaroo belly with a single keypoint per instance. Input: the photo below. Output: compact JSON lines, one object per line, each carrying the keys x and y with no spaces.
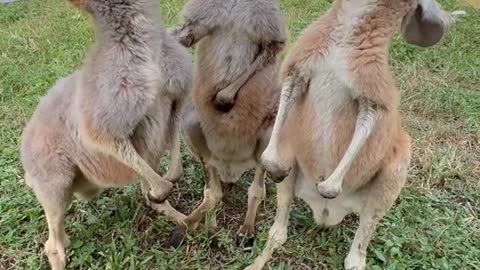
{"x":319,"y":125}
{"x":321,"y":128}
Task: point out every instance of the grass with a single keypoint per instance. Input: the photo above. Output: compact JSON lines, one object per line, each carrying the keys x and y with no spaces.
{"x":434,"y":225}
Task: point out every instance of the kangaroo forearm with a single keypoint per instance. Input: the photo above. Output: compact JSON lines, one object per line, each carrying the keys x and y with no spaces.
{"x":189,"y":33}
{"x":267,"y":55}
{"x":293,"y":88}
{"x":367,"y":117}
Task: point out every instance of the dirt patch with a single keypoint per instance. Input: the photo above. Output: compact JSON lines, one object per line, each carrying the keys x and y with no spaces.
{"x":472,"y":3}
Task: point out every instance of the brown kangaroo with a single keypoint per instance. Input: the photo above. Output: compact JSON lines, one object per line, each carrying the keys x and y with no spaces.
{"x":235,"y":95}
{"x":338,"y":134}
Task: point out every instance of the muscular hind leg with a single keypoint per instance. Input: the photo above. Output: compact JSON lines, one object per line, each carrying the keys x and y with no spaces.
{"x":277,"y":235}
{"x":379,"y":196}
{"x":211,"y":196}
{"x":54,"y":195}
{"x":256,"y":194}
{"x":175,"y":168}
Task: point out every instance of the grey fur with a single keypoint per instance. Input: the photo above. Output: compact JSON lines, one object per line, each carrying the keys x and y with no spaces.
{"x":112,"y":120}
{"x":251,"y":26}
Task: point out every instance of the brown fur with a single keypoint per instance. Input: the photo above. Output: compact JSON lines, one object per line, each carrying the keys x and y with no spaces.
{"x":251,"y":104}
{"x":340,"y":103}
{"x":240,"y":57}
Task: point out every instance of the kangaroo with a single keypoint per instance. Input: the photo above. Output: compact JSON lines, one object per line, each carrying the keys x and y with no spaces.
{"x":109,"y":123}
{"x":236,"y":92}
{"x":338,"y":140}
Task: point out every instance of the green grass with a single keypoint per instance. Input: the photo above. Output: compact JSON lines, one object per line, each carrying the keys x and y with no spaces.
{"x":434,"y":225}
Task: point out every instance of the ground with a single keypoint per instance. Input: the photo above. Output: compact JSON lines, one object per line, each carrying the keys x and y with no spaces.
{"x":434,"y":225}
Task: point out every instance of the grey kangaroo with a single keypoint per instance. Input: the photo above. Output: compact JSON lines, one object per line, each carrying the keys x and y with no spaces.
{"x":109,"y":123}
{"x":236,"y":92}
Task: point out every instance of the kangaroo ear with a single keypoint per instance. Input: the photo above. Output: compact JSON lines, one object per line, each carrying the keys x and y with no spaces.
{"x":424,"y":25}
{"x":84,"y":5}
